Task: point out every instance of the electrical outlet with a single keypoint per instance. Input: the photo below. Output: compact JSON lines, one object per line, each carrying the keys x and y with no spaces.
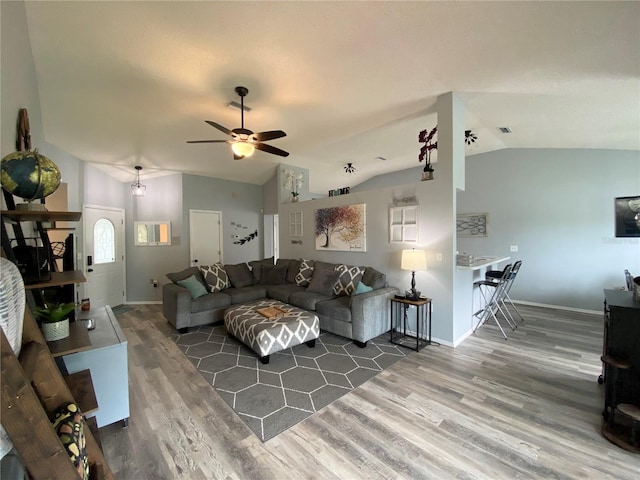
{"x":514,"y":248}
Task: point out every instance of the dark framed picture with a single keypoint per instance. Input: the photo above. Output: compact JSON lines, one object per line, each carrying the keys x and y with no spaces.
{"x":627,"y":216}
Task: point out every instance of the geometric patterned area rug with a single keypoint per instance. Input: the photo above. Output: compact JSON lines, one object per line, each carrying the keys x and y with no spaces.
{"x":296,"y":383}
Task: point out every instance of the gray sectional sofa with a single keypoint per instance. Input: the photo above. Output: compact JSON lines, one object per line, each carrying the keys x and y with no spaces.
{"x":349,"y":301}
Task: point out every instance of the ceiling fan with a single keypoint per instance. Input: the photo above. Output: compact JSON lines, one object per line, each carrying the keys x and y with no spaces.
{"x":243,"y":141}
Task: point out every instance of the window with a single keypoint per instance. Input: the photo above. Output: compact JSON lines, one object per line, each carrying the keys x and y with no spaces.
{"x":403,"y":224}
{"x":104,"y":242}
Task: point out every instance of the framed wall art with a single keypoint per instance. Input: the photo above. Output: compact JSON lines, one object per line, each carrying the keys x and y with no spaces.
{"x":295,"y":224}
{"x":627,"y":210}
{"x":472,"y":224}
{"x":403,"y":224}
{"x":341,"y":228}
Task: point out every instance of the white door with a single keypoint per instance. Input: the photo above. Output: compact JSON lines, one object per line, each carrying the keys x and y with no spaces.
{"x":104,"y":255}
{"x":205,"y":234}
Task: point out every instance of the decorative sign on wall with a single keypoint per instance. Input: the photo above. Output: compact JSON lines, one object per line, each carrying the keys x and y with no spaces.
{"x":472,"y":224}
{"x":341,"y":228}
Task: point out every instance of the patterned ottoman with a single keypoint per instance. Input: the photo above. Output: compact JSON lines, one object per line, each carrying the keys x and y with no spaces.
{"x":269,"y":335}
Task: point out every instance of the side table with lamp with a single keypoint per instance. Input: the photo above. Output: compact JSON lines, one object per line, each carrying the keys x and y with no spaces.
{"x":412,"y":260}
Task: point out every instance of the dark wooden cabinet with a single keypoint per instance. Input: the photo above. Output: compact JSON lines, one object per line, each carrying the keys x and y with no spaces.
{"x":621,"y":359}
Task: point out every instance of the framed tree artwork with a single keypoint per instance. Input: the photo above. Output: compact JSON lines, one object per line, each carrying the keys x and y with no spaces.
{"x":341,"y":228}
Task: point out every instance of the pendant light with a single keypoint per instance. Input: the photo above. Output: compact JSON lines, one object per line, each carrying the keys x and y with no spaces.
{"x":138,"y":189}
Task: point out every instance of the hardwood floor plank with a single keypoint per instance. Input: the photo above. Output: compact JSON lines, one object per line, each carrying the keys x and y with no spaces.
{"x":525,"y":408}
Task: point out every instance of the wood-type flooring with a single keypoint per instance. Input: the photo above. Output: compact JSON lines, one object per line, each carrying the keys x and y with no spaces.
{"x":524,"y":408}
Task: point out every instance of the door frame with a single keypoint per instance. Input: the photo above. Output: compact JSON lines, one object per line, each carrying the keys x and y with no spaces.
{"x":221,"y":236}
{"x":123,"y":239}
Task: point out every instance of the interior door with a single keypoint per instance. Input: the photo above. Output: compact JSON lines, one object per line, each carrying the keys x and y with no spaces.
{"x":104,"y":255}
{"x":205,"y":234}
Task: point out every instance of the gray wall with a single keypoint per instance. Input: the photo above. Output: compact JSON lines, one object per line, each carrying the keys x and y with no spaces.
{"x":557,"y":207}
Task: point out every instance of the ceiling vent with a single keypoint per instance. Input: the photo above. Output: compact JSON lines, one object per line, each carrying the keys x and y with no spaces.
{"x":234,"y":104}
{"x":504,"y":129}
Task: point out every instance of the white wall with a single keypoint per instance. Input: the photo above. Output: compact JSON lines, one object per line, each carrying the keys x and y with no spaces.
{"x":557,"y":207}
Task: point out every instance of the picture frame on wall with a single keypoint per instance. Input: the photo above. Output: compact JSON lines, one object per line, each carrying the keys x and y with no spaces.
{"x":627,"y":216}
{"x":341,"y":228}
{"x":472,"y":224}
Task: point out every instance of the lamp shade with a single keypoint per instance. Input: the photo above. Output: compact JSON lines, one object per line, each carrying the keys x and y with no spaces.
{"x":242,"y":149}
{"x":414,"y":260}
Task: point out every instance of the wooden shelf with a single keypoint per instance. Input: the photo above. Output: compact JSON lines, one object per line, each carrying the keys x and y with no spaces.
{"x":58,"y":279}
{"x":81,"y":387}
{"x":40,"y":216}
{"x":77,"y":341}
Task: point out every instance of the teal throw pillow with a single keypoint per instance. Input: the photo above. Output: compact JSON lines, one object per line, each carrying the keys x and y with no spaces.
{"x":362,"y":288}
{"x":196,"y":289}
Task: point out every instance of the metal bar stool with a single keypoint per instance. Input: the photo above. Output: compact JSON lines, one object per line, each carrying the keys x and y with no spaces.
{"x":492,"y":304}
{"x":492,"y":275}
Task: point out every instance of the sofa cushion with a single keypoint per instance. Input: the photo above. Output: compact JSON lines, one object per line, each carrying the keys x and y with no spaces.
{"x":196,"y":289}
{"x":336,"y":308}
{"x":239,"y":275}
{"x":305,"y":273}
{"x":348,"y":280}
{"x":215,"y":277}
{"x":246,"y":294}
{"x":210,"y":301}
{"x":256,"y":268}
{"x":67,"y":423}
{"x":324,"y":281}
{"x":325,"y":265}
{"x":293,"y":267}
{"x":186,"y":273}
{"x":307,"y":300}
{"x":274,"y":275}
{"x":362,"y":288}
{"x":374,"y":278}
{"x":283,"y":292}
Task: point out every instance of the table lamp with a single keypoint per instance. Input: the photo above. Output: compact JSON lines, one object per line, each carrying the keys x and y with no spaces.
{"x":413,"y":260}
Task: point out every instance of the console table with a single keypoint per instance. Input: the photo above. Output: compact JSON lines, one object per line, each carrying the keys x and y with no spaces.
{"x":399,"y":331}
{"x":104,"y":353}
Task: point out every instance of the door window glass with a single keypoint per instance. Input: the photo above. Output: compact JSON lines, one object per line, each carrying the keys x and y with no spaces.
{"x":104,"y":244}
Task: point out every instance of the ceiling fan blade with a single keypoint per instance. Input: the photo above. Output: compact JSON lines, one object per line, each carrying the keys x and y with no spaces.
{"x":270,"y":135}
{"x":207,"y":141}
{"x":219,"y":127}
{"x":238,"y":157}
{"x":269,"y":149}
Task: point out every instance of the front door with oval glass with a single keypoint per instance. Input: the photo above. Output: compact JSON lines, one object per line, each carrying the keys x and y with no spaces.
{"x":104,"y":256}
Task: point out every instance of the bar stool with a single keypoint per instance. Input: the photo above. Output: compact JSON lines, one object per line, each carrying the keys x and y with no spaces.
{"x":492,"y":303}
{"x":493,"y":275}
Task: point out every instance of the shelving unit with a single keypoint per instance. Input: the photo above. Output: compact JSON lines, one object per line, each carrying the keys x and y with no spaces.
{"x":32,"y":384}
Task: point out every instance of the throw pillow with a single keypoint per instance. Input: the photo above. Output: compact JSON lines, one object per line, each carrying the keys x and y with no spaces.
{"x":274,"y":275}
{"x":186,"y":273}
{"x":239,"y":275}
{"x":67,"y":422}
{"x":216,"y":277}
{"x":256,"y":268}
{"x":362,"y":288}
{"x":374,"y":278}
{"x":305,"y":273}
{"x":293,"y":267}
{"x":196,"y":289}
{"x":348,"y":280}
{"x":323,"y":282}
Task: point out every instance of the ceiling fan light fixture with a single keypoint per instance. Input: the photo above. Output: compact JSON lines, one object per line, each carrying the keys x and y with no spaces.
{"x":138,"y":189}
{"x":243,"y":149}
{"x":349,"y":168}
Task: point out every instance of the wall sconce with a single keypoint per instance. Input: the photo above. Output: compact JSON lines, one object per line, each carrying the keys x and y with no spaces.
{"x":414,"y":260}
{"x":138,"y":189}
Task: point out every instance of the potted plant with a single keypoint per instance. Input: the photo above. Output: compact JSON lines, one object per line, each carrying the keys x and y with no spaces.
{"x":55,"y":320}
{"x":425,"y":152}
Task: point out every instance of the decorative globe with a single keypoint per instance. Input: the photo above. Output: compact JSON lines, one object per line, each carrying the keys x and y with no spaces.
{"x":29,"y":175}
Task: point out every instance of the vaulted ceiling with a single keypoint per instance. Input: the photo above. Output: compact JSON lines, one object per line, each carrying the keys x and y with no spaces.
{"x":126,"y":83}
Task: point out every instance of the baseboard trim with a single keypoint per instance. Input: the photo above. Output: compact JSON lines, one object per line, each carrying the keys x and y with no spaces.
{"x":153,"y":302}
{"x":558,"y":307}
